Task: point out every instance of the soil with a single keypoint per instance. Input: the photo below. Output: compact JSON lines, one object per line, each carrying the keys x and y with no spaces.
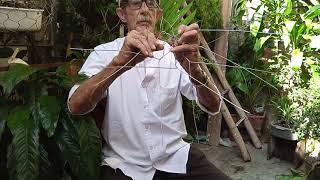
{"x":229,"y":160}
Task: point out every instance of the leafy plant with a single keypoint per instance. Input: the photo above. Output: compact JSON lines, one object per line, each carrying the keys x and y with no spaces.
{"x":290,"y":32}
{"x":295,"y":175}
{"x":174,"y":16}
{"x":285,"y":111}
{"x":42,"y":140}
{"x":310,"y":122}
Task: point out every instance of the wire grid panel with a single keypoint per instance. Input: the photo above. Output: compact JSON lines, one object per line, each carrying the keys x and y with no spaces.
{"x":20,"y":19}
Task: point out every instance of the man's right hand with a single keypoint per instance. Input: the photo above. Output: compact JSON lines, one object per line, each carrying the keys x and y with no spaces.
{"x":139,"y":41}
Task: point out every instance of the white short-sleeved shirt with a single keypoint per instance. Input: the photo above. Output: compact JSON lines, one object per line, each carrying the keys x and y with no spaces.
{"x":144,"y":123}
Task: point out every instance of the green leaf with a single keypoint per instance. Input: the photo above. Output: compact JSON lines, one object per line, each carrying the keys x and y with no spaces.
{"x":66,"y":81}
{"x":11,"y":163}
{"x":189,"y":19}
{"x":49,"y":113}
{"x":256,"y":24}
{"x":260,"y":42}
{"x":312,"y":12}
{"x":25,"y":151}
{"x":15,"y":74}
{"x":243,"y":87}
{"x":46,"y":167}
{"x":80,"y":142}
{"x":289,"y":7}
{"x":4,"y":112}
{"x":17,"y":116}
{"x":173,"y":16}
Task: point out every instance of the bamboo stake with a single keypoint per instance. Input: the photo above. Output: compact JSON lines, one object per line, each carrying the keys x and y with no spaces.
{"x":225,"y":112}
{"x":226,"y":86}
{"x":229,"y":120}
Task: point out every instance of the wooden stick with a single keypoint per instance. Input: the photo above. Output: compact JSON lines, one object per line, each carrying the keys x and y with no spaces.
{"x":225,"y":85}
{"x":229,"y":120}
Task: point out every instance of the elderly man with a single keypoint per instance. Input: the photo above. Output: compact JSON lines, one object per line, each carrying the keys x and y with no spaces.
{"x":143,"y":78}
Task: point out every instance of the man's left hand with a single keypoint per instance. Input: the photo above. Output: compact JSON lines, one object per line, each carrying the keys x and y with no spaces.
{"x":186,"y":50}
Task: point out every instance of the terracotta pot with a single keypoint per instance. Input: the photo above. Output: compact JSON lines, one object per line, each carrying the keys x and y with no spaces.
{"x":257,"y":122}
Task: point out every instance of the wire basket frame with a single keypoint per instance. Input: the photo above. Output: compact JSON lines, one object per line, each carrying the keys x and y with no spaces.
{"x":21,"y":15}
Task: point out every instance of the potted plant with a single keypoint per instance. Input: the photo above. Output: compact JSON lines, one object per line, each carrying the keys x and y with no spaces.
{"x":284,"y":126}
{"x":20,"y":15}
{"x":40,"y":139}
{"x":284,"y":138}
{"x":250,"y":90}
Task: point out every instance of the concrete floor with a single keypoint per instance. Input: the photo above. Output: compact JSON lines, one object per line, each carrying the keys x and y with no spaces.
{"x":230,"y":162}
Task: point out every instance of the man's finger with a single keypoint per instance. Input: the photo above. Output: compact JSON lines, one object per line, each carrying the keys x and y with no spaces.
{"x":152,"y":41}
{"x":184,"y":28}
{"x":143,"y":40}
{"x":139,"y":45}
{"x":159,"y":45}
{"x":185,"y":48}
{"x":189,"y":37}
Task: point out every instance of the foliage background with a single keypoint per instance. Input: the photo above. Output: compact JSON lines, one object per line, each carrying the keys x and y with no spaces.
{"x":39,"y":139}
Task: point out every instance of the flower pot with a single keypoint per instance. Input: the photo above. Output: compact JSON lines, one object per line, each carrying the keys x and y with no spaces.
{"x":257,"y":122}
{"x":20,"y":19}
{"x":283,"y":143}
{"x":283,"y":132}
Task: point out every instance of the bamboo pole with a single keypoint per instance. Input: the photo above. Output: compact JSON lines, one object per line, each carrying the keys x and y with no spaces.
{"x":226,"y":86}
{"x":229,"y":120}
{"x":221,"y":45}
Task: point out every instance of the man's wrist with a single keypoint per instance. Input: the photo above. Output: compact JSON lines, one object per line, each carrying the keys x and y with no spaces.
{"x":200,"y":78}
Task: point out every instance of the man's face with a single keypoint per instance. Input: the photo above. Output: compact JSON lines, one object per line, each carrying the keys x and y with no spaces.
{"x":139,"y":14}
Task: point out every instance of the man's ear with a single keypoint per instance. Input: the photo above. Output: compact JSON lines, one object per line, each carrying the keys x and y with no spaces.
{"x":121,"y":14}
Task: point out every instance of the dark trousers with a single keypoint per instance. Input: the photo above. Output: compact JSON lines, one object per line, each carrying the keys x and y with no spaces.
{"x":198,"y":168}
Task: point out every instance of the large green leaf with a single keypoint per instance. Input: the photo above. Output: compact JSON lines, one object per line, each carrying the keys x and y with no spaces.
{"x":18,"y":116}
{"x":80,"y":142}
{"x":4,"y":112}
{"x":313,"y":12}
{"x":289,"y":7}
{"x":256,"y":24}
{"x":173,"y":16}
{"x":25,"y":145}
{"x":15,"y":74}
{"x":65,"y":80}
{"x":49,"y":111}
{"x":11,"y":163}
{"x":260,"y":42}
{"x":46,"y":167}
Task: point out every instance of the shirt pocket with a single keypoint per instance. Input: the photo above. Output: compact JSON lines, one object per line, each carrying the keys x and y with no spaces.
{"x":167,"y":100}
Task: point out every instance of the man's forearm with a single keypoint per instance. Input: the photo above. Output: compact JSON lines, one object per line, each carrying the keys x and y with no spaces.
{"x":91,"y":91}
{"x":209,"y":98}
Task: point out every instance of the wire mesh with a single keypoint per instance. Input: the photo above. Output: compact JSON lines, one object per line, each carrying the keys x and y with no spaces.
{"x":24,"y":15}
